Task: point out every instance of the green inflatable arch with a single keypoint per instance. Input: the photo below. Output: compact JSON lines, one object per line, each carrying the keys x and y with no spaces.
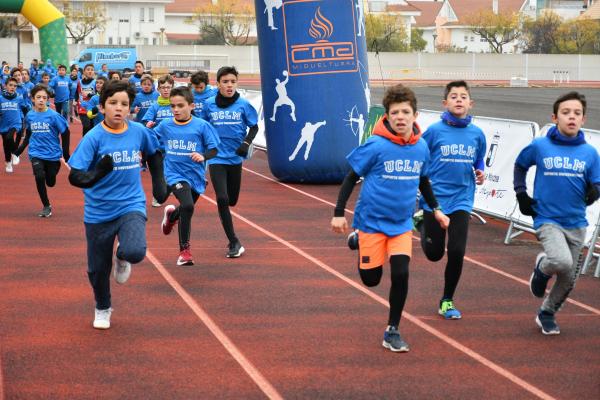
{"x":50,"y":22}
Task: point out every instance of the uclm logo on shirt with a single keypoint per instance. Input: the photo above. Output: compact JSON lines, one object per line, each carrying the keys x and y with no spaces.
{"x":320,"y":37}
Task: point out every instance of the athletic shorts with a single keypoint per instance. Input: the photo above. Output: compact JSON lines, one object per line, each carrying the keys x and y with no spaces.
{"x":374,"y":247}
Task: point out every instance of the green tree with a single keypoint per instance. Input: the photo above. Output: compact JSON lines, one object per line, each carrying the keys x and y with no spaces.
{"x":496,"y":29}
{"x":81,"y":19}
{"x":227,"y":22}
{"x":385,"y":33}
{"x":540,"y":35}
{"x":417,"y":43}
{"x":578,"y":36}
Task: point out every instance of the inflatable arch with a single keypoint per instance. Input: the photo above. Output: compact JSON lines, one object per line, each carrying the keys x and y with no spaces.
{"x":50,"y":22}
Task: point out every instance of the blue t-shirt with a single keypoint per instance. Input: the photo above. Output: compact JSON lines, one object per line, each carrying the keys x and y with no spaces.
{"x":200,"y":98}
{"x":45,"y":128}
{"x":120,"y":192}
{"x":454,"y":152}
{"x":181,"y":140}
{"x":136,"y":81}
{"x":73,"y":88}
{"x":143,"y":100}
{"x":157,"y":113}
{"x":231,"y":124}
{"x":562,"y":174}
{"x":11,"y":115}
{"x":391,"y":178}
{"x":26,"y":87}
{"x":61,"y":85}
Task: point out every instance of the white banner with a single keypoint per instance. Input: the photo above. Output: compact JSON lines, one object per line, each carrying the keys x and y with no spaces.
{"x":505,"y":139}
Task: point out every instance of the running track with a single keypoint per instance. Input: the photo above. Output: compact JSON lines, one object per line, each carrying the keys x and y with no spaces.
{"x":289,"y":319}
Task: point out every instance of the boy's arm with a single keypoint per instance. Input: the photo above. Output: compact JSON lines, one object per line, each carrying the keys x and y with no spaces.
{"x":65,"y":142}
{"x":525,"y":202}
{"x":243,"y":149}
{"x":159,"y":184}
{"x":592,"y":193}
{"x":427,"y":193}
{"x":87,"y":179}
{"x":338,"y":222}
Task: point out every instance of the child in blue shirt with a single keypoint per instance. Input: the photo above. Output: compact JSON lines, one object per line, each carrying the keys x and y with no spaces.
{"x":94,"y":113}
{"x":189,"y":142}
{"x":457,"y":150}
{"x":202,"y":90}
{"x":145,"y":98}
{"x":231,"y":116}
{"x":61,"y":86}
{"x":74,"y":84}
{"x":11,"y":121}
{"x":161,"y":109}
{"x":567,"y":180}
{"x":44,"y":127}
{"x":85,"y":91}
{"x":394,"y":163}
{"x":106,"y":164}
{"x":136,"y":78}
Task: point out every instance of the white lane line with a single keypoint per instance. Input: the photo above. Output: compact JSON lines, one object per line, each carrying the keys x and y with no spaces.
{"x":443,"y":337}
{"x":250,"y":369}
{"x":478,"y":263}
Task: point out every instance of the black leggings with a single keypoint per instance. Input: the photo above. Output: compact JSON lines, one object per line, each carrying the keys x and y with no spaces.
{"x":433,"y":239}
{"x":44,"y":172}
{"x":399,"y":288}
{"x":86,"y":123}
{"x":8,"y":144}
{"x":187,"y":199}
{"x":227,"y":180}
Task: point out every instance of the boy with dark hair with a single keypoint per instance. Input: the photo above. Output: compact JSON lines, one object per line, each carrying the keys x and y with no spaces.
{"x":457,"y":150}
{"x":231,"y":116}
{"x":103,"y":71}
{"x":189,"y":142}
{"x":44,"y":127}
{"x":563,"y":160}
{"x":74,"y":84}
{"x":202,"y":90}
{"x":85,"y":91}
{"x":394,"y":163}
{"x":11,"y":121}
{"x":145,"y":98}
{"x":61,"y":86}
{"x":106,"y":165}
{"x":136,"y":78}
{"x":160,"y":110}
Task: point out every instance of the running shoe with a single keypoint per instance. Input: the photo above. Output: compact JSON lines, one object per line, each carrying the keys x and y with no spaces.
{"x":235,"y":249}
{"x":46,"y":212}
{"x":547,"y":322}
{"x":393,"y":341}
{"x":185,"y":257}
{"x":8,"y":167}
{"x":102,"y":318}
{"x":538,"y":280}
{"x":121,"y":270}
{"x":167,"y":224}
{"x":448,"y":311}
{"x":353,"y":240}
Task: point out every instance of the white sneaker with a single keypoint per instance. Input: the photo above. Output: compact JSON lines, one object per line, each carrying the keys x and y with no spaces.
{"x":16,"y":159}
{"x":102,"y":318}
{"x":155,"y":203}
{"x":121,"y":270}
{"x":9,"y":167}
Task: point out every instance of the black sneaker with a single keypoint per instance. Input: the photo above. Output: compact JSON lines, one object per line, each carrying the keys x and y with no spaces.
{"x":547,"y":322}
{"x":235,"y":249}
{"x":353,"y":240}
{"x":46,"y":212}
{"x":538,"y":280}
{"x":393,"y":341}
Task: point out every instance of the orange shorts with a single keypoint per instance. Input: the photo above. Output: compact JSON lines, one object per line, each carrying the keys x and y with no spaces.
{"x":373,"y":248}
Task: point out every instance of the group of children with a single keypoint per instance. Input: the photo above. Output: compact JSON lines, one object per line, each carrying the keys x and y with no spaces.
{"x":177,"y":132}
{"x":444,"y":164}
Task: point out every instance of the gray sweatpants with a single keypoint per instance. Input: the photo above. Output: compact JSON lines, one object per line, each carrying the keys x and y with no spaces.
{"x":563,"y":248}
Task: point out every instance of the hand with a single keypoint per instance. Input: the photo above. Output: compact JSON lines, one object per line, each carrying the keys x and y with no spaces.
{"x":591,"y":194}
{"x":479,"y":177}
{"x":136,"y":109}
{"x":339,"y":224}
{"x":197,"y":157}
{"x":105,"y":165}
{"x":526,"y":204}
{"x":442,"y":219}
{"x":150,"y":124}
{"x":242,"y":151}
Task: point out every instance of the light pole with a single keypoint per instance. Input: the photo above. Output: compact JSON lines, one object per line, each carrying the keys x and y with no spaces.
{"x":434,"y":38}
{"x":162,"y":36}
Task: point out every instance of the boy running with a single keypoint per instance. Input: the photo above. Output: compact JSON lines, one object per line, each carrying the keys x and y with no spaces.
{"x":85,"y":91}
{"x":145,"y":98}
{"x":160,"y":110}
{"x":61,"y":86}
{"x":94,"y":113}
{"x":231,"y":116}
{"x":202,"y":90}
{"x":106,"y":165}
{"x":457,"y":150}
{"x":189,"y":142}
{"x":567,"y":180}
{"x":394,"y":164}
{"x":44,"y":127}
{"x":11,"y":122}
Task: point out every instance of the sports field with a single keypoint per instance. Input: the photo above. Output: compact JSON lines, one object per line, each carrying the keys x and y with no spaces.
{"x":289,"y":319}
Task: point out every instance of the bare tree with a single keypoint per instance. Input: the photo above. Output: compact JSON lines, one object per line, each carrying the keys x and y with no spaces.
{"x":81,"y":19}
{"x":227,"y":22}
{"x":385,"y":33}
{"x":496,"y":29}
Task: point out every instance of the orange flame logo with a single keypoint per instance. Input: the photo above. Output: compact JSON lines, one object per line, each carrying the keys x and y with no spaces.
{"x":320,"y":27}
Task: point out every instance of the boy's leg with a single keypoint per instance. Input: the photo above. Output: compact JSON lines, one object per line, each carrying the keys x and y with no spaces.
{"x":100,"y":241}
{"x":371,"y":256}
{"x":563,"y":249}
{"x":457,"y":244}
{"x":7,"y":145}
{"x":39,"y":173}
{"x":433,"y":237}
{"x":218,"y":177}
{"x":51,"y":169}
{"x":131,"y":229}
{"x":184,"y":212}
{"x":86,"y":124}
{"x":234,"y":183}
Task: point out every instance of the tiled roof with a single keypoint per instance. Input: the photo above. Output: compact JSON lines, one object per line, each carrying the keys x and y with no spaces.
{"x":463,"y":8}
{"x":190,"y":6}
{"x":593,"y":12}
{"x":429,"y":12}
